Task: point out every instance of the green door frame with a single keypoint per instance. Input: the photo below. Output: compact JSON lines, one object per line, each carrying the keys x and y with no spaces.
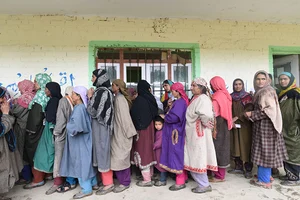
{"x":280,"y":50}
{"x":194,"y":47}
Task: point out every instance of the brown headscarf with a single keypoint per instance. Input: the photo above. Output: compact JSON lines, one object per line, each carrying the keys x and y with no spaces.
{"x":267,"y":100}
{"x":123,"y":90}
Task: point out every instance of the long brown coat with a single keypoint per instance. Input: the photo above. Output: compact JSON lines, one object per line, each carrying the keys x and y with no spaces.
{"x":241,"y":138}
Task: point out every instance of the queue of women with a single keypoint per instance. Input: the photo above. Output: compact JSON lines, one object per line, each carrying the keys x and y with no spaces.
{"x":88,"y":137}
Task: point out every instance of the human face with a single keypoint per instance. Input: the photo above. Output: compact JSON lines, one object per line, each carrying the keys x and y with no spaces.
{"x":238,"y":86}
{"x":158,"y":126}
{"x":75,"y":98}
{"x":284,"y":81}
{"x":170,"y":102}
{"x":36,"y":85}
{"x":115,"y":88}
{"x":94,"y":78}
{"x":195,"y":89}
{"x":260,"y":80}
{"x":48,"y":93}
{"x":166,"y":87}
{"x":175,"y":94}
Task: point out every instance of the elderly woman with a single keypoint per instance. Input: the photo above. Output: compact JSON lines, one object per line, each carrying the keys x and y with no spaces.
{"x":20,"y":112}
{"x":172,"y":153}
{"x":199,"y":150}
{"x":241,"y":134}
{"x":101,"y":109}
{"x":222,"y":102}
{"x":44,"y":155}
{"x":77,"y":157}
{"x":35,"y":126}
{"x":143,"y":111}
{"x":289,"y":99}
{"x":11,"y":163}
{"x":121,"y":142}
{"x":266,"y":132}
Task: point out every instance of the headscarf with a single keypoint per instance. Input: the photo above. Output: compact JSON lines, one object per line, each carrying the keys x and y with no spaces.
{"x":179,"y":88}
{"x":223,"y":99}
{"x":9,"y":134}
{"x":52,"y":105}
{"x":82,"y":91}
{"x":291,"y":90}
{"x":102,"y":78}
{"x":167,"y":95}
{"x":123,"y":90}
{"x":40,"y":97}
{"x":202,"y":81}
{"x":242,"y":95}
{"x":101,"y":104}
{"x":144,"y":108}
{"x":27,"y":90}
{"x":2,"y":92}
{"x":267,"y":100}
{"x":69,"y":90}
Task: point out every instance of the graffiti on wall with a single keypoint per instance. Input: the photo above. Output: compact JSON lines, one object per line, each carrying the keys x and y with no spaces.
{"x":64,"y":78}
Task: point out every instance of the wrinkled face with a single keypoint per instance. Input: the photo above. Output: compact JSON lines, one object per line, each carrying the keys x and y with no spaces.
{"x":115,"y":88}
{"x":175,"y":94}
{"x":94,"y":78}
{"x":158,"y":126}
{"x":75,"y":97}
{"x":36,"y":85}
{"x":238,"y":86}
{"x":195,"y":89}
{"x":166,"y":87}
{"x":284,"y":80}
{"x":260,"y":80}
{"x":48,"y":93}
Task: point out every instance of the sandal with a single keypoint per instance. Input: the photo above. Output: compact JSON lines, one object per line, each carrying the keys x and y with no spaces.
{"x":53,"y":189}
{"x":261,"y":184}
{"x":66,"y":187}
{"x":271,"y":178}
{"x":216,"y":180}
{"x":33,"y":185}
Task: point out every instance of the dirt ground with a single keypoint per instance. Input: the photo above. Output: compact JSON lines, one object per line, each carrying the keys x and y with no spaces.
{"x":236,"y":187}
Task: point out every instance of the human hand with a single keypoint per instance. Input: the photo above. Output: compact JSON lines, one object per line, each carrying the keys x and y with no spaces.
{"x":209,"y":124}
{"x":162,"y":116}
{"x":91,"y":92}
{"x":234,"y":119}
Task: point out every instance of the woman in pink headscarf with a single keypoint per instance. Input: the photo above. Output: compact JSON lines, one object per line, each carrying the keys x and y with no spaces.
{"x":173,"y":138}
{"x":222,"y":103}
{"x":20,"y":112}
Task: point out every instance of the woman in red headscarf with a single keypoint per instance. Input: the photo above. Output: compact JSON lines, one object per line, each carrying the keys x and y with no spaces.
{"x":172,"y":154}
{"x":222,"y":103}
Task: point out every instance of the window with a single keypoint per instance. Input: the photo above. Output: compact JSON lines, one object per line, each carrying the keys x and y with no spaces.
{"x":150,"y":64}
{"x":113,"y":70}
{"x":183,"y":74}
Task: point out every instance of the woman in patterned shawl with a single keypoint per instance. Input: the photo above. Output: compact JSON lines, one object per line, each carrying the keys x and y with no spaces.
{"x":101,"y":109}
{"x":268,"y":150}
